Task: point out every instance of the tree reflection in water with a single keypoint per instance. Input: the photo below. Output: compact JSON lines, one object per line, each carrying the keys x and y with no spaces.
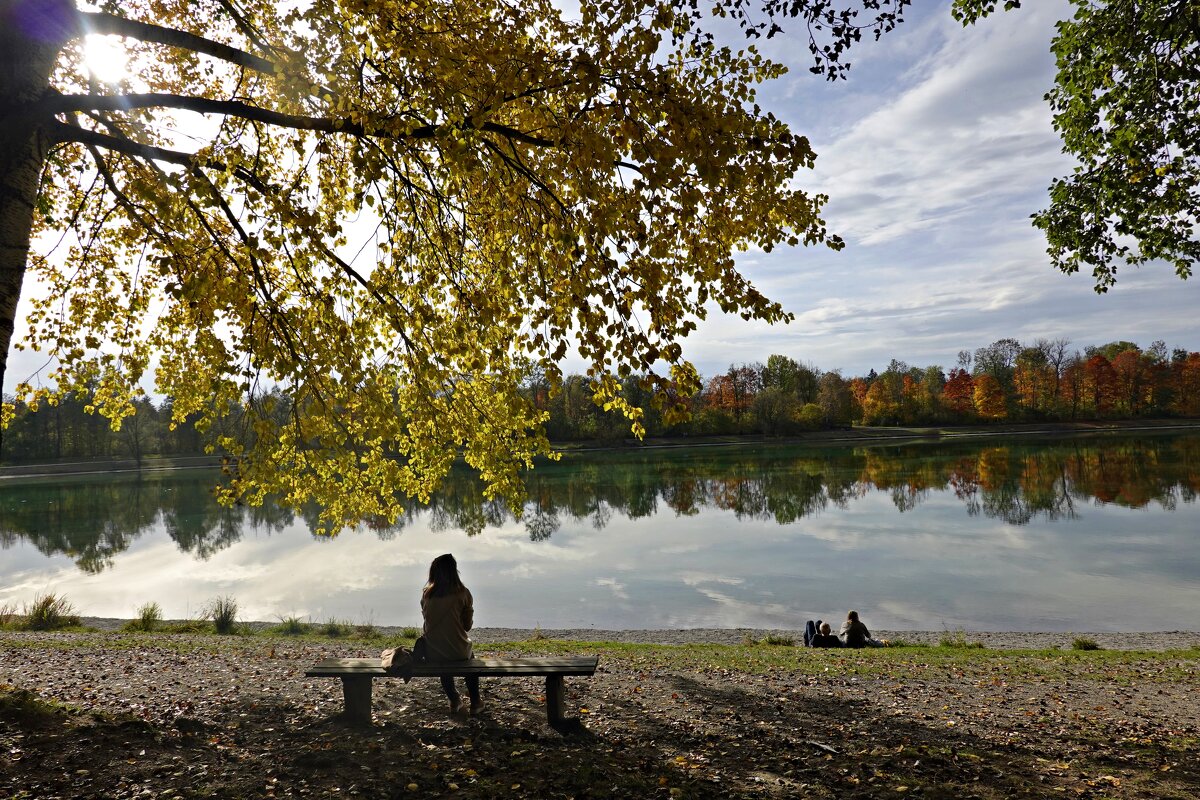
{"x":93,"y":520}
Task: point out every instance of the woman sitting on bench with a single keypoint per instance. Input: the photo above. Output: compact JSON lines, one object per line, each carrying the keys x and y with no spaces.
{"x":449,"y":612}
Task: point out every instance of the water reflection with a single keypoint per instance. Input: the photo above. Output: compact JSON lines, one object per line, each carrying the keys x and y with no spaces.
{"x":93,"y":520}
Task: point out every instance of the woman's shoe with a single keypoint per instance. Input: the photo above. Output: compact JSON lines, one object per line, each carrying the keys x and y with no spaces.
{"x":456,"y":706}
{"x":477,"y":708}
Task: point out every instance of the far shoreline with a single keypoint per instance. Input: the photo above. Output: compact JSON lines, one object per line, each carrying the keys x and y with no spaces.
{"x":834,"y":437}
{"x":993,"y":640}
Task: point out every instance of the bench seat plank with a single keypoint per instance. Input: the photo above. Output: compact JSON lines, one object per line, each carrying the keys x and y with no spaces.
{"x":478,"y":667}
{"x":358,"y":673}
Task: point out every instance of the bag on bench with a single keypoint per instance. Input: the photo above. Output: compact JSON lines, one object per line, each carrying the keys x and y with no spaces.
{"x":398,"y":661}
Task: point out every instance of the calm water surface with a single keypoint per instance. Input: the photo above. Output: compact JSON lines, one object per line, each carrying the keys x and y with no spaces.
{"x":1081,"y":534}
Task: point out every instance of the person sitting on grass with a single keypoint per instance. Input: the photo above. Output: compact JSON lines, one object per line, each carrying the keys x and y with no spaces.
{"x":855,"y":634}
{"x":825,"y":638}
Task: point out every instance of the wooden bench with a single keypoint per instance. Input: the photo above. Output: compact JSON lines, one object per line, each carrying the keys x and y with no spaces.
{"x":357,"y":674}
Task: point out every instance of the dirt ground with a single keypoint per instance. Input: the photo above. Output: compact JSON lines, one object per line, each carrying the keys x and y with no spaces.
{"x":177,"y":717}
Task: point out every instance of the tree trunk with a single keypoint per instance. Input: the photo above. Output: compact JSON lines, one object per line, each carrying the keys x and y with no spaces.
{"x":32,"y":32}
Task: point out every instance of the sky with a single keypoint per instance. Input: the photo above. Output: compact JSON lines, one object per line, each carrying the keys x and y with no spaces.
{"x":934,"y":153}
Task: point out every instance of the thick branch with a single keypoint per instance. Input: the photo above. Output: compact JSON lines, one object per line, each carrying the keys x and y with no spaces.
{"x":100,"y":22}
{"x":203,"y":105}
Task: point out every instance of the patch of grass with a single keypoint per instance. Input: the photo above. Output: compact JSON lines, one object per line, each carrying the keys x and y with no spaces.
{"x":8,"y":616}
{"x":49,"y":612}
{"x":290,"y":626}
{"x":410,"y":633}
{"x":904,"y":643}
{"x":223,"y":613}
{"x":187,"y":626}
{"x":148,"y":618}
{"x":366,"y":629}
{"x":958,"y":639}
{"x":1084,"y":643}
{"x":27,"y":707}
{"x":334,"y":629}
{"x":537,"y":635}
{"x":780,"y":641}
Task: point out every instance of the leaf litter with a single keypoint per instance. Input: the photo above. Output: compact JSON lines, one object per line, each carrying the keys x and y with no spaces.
{"x":82,"y":715}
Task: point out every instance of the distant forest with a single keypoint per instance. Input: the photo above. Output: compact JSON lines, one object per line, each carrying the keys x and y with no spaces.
{"x":1007,"y":381}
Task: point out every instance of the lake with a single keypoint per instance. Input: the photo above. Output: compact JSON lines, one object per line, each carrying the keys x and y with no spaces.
{"x":1086,"y":533}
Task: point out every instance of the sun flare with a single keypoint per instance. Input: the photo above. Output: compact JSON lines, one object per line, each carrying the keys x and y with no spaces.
{"x":106,"y":58}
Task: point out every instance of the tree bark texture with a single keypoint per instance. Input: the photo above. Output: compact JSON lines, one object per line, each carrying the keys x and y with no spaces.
{"x":32,"y":32}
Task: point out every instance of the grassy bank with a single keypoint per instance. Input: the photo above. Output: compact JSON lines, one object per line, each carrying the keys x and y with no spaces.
{"x":903,"y":661}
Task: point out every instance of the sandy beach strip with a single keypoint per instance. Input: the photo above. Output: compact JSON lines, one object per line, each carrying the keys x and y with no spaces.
{"x":996,"y":640}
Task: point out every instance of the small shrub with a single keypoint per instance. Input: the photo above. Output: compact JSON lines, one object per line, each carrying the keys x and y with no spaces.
{"x":781,"y":641}
{"x":537,"y":634}
{"x":335,"y":629}
{"x":223,"y":613}
{"x":8,"y":615}
{"x":149,"y":617}
{"x":410,"y":633}
{"x":958,"y":638}
{"x":366,"y":629}
{"x":291,"y":626}
{"x":50,"y":612}
{"x":1084,"y":643}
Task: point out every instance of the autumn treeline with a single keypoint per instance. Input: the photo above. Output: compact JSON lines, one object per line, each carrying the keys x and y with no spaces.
{"x":1005,"y":381}
{"x":70,"y":430}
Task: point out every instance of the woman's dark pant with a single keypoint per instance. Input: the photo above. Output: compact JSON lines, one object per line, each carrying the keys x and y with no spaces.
{"x":452,"y":693}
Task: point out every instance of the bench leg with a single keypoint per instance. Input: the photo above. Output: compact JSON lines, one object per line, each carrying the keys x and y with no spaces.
{"x":356,"y":689}
{"x":554,"y":698}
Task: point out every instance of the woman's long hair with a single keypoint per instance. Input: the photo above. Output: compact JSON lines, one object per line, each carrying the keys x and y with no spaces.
{"x":443,"y":577}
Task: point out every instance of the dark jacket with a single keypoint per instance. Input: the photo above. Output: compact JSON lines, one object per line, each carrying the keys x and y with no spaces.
{"x":855,"y":634}
{"x":822,"y":640}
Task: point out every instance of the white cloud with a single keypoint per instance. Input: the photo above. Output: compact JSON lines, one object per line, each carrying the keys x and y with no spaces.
{"x":617,"y":588}
{"x":700,"y":578}
{"x":970,"y":132}
{"x":934,"y":155}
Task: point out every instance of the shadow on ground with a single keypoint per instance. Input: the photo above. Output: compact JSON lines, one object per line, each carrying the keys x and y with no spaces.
{"x":702,"y":735}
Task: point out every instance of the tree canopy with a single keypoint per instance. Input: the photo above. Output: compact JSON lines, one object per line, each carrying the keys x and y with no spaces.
{"x":396,"y":211}
{"x":1126,"y":101}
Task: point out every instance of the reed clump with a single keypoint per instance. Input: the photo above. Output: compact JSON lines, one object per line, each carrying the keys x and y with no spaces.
{"x":223,"y":613}
{"x":49,"y":612}
{"x":149,"y":618}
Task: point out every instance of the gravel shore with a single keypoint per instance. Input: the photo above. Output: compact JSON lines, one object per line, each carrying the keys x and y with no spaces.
{"x":998,"y":640}
{"x":193,"y":717}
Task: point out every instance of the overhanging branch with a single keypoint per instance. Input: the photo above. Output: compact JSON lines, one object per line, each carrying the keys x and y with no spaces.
{"x":100,"y":22}
{"x":387,"y":129}
{"x":68,"y":133}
